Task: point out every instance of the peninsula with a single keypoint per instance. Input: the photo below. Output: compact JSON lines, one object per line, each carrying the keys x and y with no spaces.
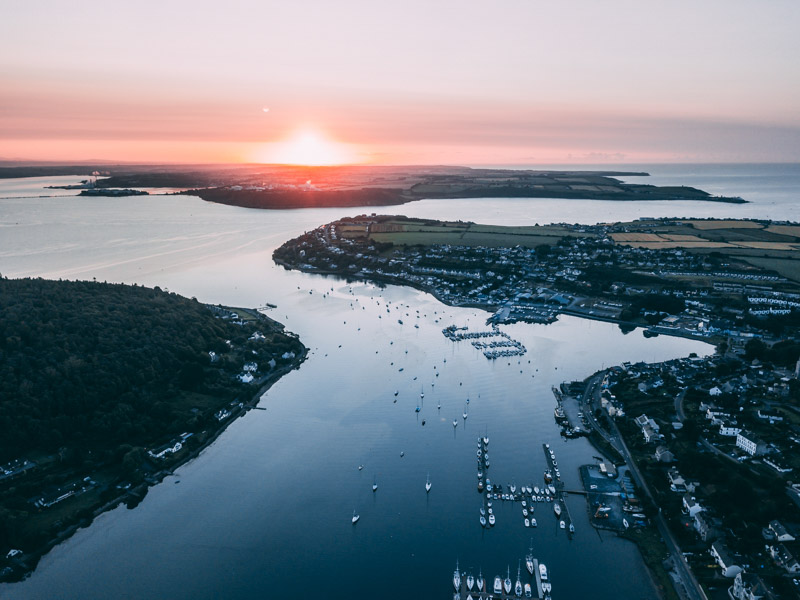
{"x":105,"y":389}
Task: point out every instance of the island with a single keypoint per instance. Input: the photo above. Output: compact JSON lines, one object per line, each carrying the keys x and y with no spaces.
{"x":287,"y":186}
{"x":107,"y":388}
{"x":698,"y":455}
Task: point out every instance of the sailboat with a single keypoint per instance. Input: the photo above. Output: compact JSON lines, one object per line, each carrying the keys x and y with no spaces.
{"x":455,"y":422}
{"x":428,"y":483}
{"x":465,"y":415}
{"x":355,"y":517}
{"x":479,"y":581}
{"x":518,"y":585}
{"x":470,"y":582}
{"x":374,"y":485}
{"x":457,"y":578}
{"x":529,"y":559}
{"x":507,"y":581}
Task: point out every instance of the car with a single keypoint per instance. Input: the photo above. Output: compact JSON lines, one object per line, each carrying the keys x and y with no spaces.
{"x":593,"y":487}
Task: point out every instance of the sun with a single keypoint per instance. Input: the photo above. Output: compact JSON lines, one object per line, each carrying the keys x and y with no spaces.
{"x":307,"y":147}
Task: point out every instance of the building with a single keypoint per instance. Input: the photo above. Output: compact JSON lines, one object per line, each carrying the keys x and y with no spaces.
{"x":691,"y":506}
{"x":780,"y":532}
{"x":729,"y":429}
{"x":725,"y":559}
{"x":705,"y":528}
{"x":750,"y":443}
{"x":168,"y":448}
{"x":676,"y":481}
{"x":783,"y":558}
{"x":749,"y":586}
{"x":663,"y":454}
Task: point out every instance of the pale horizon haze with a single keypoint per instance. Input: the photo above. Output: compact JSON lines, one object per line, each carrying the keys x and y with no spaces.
{"x":510,"y":82}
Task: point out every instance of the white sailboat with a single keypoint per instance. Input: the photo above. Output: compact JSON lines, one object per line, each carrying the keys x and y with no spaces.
{"x":470,"y":582}
{"x":480,"y":581}
{"x":507,"y":581}
{"x":355,"y":517}
{"x":529,"y":559}
{"x":374,"y":485}
{"x":457,"y":578}
{"x":518,"y":585}
{"x":428,"y":484}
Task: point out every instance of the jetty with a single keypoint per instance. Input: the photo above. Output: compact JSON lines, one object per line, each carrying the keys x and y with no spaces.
{"x":540,"y":587}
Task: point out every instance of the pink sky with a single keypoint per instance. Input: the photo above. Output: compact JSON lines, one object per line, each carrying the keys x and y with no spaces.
{"x":514,"y":82}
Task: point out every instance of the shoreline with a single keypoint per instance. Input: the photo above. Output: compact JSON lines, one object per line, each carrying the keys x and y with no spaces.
{"x":25,"y":564}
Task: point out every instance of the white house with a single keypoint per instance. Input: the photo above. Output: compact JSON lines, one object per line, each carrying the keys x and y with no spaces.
{"x":725,"y":559}
{"x":729,"y":429}
{"x":780,"y":532}
{"x":691,"y":506}
{"x":750,"y":443}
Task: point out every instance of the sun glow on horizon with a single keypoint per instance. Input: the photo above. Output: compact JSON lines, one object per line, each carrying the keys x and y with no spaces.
{"x":308,"y":148}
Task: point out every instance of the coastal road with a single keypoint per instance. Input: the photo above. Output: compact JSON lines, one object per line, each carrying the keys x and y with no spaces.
{"x":689,"y":582}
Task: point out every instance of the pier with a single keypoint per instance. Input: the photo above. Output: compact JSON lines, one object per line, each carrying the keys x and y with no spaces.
{"x":560,"y":494}
{"x":539,"y":589}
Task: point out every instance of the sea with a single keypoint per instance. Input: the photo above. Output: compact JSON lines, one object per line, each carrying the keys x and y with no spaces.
{"x":265,"y":511}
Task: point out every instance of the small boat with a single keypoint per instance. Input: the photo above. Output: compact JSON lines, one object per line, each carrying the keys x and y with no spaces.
{"x":374,"y":485}
{"x":507,"y":581}
{"x":417,"y":409}
{"x":498,"y":585}
{"x":402,"y":454}
{"x":524,"y":512}
{"x":527,"y":523}
{"x":491,"y":520}
{"x":483,"y":511}
{"x":562,"y":524}
{"x":552,"y":488}
{"x":483,"y":521}
{"x":464,"y":414}
{"x":396,"y":392}
{"x":480,"y":453}
{"x":455,"y":423}
{"x":571,"y":528}
{"x":360,"y":467}
{"x":457,"y":578}
{"x":470,"y":582}
{"x":557,"y":509}
{"x":542,"y":572}
{"x":480,"y":485}
{"x":536,"y":490}
{"x":533,"y":523}
{"x":485,"y":441}
{"x":355,"y":517}
{"x":428,"y":484}
{"x":528,"y":590}
{"x":625,"y":523}
{"x":518,"y":585}
{"x":524,"y":504}
{"x":547,"y":587}
{"x":513,"y":487}
{"x":529,"y":559}
{"x":479,"y":582}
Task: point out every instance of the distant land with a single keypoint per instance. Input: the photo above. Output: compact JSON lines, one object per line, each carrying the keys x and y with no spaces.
{"x":285,"y":186}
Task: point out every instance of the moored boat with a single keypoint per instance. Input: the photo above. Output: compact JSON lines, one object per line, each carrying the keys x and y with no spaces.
{"x":498,"y":585}
{"x":507,"y":581}
{"x":557,"y":509}
{"x":518,"y":585}
{"x":542,"y":572}
{"x":470,"y":582}
{"x":528,"y":593}
{"x":457,"y":578}
{"x":529,"y":559}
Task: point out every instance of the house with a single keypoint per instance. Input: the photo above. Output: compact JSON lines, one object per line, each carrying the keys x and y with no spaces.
{"x":168,"y":448}
{"x":729,"y":429}
{"x":663,"y":454}
{"x":783,"y":558}
{"x":750,"y":443}
{"x":725,"y":559}
{"x":691,"y":506}
{"x":780,"y":532}
{"x":676,"y":481}
{"x":748,"y":586}
{"x":705,"y":527}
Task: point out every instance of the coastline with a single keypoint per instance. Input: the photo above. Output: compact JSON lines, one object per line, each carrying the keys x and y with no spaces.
{"x":25,"y":564}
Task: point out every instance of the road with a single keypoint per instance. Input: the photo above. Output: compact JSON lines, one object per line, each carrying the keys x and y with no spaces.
{"x":691,"y":587}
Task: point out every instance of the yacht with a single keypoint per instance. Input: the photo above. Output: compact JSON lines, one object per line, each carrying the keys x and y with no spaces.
{"x":498,"y":585}
{"x":518,"y":585}
{"x":513,"y":487}
{"x":485,"y":441}
{"x":428,"y":484}
{"x":470,"y":582}
{"x":529,"y":559}
{"x":536,"y":490}
{"x":491,"y":520}
{"x":533,"y":523}
{"x":562,"y":524}
{"x":542,"y":572}
{"x":571,"y":528}
{"x":507,"y":581}
{"x":527,"y":522}
{"x":557,"y":509}
{"x":528,"y":593}
{"x":457,"y":578}
{"x":355,"y":517}
{"x":374,"y":485}
{"x":483,"y":521}
{"x":479,"y":581}
{"x":524,"y":511}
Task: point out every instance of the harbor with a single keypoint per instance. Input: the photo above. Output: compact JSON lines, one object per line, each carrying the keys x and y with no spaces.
{"x":493,"y":343}
{"x":532,"y":581}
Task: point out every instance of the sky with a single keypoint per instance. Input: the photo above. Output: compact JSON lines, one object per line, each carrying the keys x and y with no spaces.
{"x":511,"y":82}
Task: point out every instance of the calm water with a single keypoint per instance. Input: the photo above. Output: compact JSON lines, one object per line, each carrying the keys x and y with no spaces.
{"x":265,"y":511}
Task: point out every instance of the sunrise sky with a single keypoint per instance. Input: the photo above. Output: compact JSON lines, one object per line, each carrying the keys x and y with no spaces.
{"x":411,"y":82}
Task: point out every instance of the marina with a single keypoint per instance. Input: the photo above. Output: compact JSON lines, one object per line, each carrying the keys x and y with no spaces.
{"x":533,"y":582}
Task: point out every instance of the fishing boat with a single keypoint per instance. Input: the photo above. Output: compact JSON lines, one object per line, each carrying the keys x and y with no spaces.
{"x":518,"y":585}
{"x":557,"y":509}
{"x":507,"y":581}
{"x":457,"y":578}
{"x":470,"y":582}
{"x":355,"y":517}
{"x":428,"y":484}
{"x":498,"y":585}
{"x":529,"y":559}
